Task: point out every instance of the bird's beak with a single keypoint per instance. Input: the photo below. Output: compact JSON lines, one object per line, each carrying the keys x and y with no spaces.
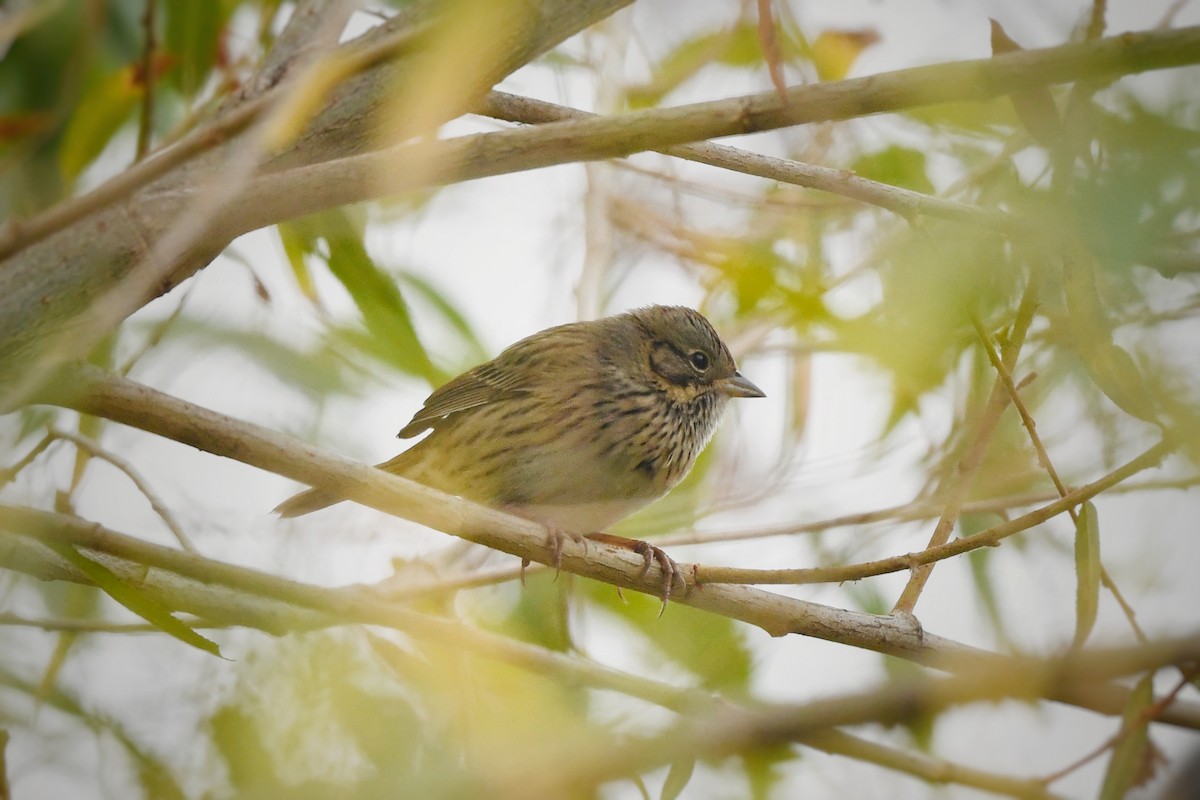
{"x":737,"y":386}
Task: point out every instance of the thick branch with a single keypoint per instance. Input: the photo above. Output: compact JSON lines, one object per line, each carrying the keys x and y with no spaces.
{"x":726,"y":733}
{"x":316,"y":606}
{"x":410,"y":167}
{"x":91,"y":391}
{"x":50,"y":286}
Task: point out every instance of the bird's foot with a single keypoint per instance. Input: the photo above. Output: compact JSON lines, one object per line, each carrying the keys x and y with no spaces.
{"x":650,"y":554}
{"x":556,"y":537}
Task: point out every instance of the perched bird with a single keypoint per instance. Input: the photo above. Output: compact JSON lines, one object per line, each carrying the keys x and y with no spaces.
{"x":574,"y":427}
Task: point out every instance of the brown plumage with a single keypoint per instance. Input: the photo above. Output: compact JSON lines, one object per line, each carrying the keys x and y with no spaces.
{"x":576,"y":426}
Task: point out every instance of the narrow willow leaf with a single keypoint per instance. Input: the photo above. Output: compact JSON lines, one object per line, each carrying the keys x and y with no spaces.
{"x":105,"y":106}
{"x":137,"y":602}
{"x":444,"y":306}
{"x":678,"y":779}
{"x":1087,"y":572}
{"x":1126,"y":766}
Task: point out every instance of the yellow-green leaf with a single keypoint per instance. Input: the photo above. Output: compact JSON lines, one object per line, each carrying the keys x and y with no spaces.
{"x":1127,"y":767}
{"x":101,"y":112}
{"x":1087,"y":572}
{"x":137,"y":602}
{"x":678,"y":778}
{"x":835,"y":51}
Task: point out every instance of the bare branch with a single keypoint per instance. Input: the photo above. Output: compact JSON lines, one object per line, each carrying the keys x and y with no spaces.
{"x":225,"y":593}
{"x":723,"y":734}
{"x":92,"y":391}
{"x":34,"y":319}
{"x":986,"y":538}
{"x":95,"y":449}
{"x":957,"y":485}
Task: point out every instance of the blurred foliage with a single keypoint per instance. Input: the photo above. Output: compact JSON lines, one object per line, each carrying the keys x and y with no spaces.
{"x":348,"y":713}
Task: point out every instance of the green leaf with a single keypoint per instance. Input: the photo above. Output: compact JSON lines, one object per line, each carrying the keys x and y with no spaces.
{"x":428,"y":292}
{"x":896,"y":166}
{"x":377,"y":296}
{"x":101,"y":112}
{"x":192,"y":40}
{"x":1127,"y":765}
{"x":980,"y":561}
{"x":137,"y":602}
{"x":709,"y":646}
{"x":317,"y":372}
{"x":1087,"y":572}
{"x":738,"y":47}
{"x":298,"y":245}
{"x":678,"y":778}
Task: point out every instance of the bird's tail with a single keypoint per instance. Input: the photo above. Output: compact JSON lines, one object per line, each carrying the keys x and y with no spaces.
{"x":311,"y":500}
{"x":306,"y":502}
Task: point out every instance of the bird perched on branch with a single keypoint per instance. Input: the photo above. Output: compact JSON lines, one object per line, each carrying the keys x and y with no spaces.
{"x":574,"y":427}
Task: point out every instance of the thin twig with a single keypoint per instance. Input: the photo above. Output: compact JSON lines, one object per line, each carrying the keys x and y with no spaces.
{"x":987,"y":538}
{"x":7,"y":474}
{"x":160,"y":508}
{"x":1146,"y":716}
{"x":843,"y":182}
{"x":247,"y":597}
{"x":963,"y":476}
{"x":1043,"y":456}
{"x":158,"y":333}
{"x":906,"y":512}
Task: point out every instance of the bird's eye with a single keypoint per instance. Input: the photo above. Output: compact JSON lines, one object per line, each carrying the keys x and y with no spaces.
{"x":699,"y":360}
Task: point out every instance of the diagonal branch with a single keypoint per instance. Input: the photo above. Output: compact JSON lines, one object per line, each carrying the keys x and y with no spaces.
{"x":957,"y":485}
{"x":92,"y":391}
{"x":227,"y":594}
{"x":985,"y":538}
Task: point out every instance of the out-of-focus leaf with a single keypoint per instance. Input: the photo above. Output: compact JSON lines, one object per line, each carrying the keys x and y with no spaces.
{"x":980,"y":561}
{"x":100,"y":113}
{"x":896,"y":166}
{"x":318,"y":373}
{"x":1111,"y":367}
{"x":192,"y":38}
{"x":979,"y":118}
{"x":752,"y":269}
{"x":1087,"y":572}
{"x":72,"y":601}
{"x":678,"y":778}
{"x":1135,"y":757}
{"x":706,"y":645}
{"x":763,"y":771}
{"x":240,"y":745}
{"x":868,"y":598}
{"x":377,"y":296}
{"x":152,"y":771}
{"x":476,"y":352}
{"x":540,"y":614}
{"x":835,"y":51}
{"x":919,"y":330}
{"x":134,"y":600}
{"x":920,"y":724}
{"x":739,"y":46}
{"x":1035,"y":107}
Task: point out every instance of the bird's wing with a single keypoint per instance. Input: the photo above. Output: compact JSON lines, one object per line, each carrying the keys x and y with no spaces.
{"x":515,"y":372}
{"x":482,"y":385}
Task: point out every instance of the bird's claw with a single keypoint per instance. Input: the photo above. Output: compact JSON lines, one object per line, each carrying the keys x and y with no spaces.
{"x":556,"y":538}
{"x":650,"y":554}
{"x":670,"y":569}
